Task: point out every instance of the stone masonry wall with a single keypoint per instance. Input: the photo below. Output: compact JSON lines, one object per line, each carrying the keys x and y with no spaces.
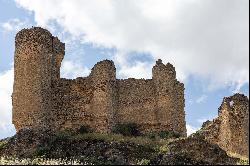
{"x":42,"y":99}
{"x":139,"y":102}
{"x":136,"y":103}
{"x":71,"y":103}
{"x":230,"y":130}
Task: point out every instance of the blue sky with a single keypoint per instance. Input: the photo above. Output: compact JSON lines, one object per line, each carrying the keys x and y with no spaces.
{"x":207,"y":41}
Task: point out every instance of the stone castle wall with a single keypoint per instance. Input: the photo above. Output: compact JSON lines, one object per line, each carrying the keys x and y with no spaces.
{"x":230,"y":130}
{"x":42,"y":99}
{"x":136,"y":102}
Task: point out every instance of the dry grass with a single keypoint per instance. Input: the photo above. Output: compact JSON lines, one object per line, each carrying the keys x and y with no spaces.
{"x":243,"y":159}
{"x":139,"y":140}
{"x":39,"y":161}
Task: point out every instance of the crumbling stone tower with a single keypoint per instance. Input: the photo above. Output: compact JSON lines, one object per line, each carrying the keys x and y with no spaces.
{"x":230,"y":130}
{"x":234,"y":129}
{"x":38,"y":57}
{"x":169,"y":96}
{"x":41,"y":99}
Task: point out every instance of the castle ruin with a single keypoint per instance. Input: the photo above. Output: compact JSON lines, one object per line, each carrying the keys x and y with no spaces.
{"x":41,"y":99}
{"x":230,"y":130}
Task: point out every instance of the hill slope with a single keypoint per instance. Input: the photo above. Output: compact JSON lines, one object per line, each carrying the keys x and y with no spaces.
{"x":113,"y":149}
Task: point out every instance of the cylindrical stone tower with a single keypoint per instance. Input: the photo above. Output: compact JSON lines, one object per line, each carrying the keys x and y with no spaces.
{"x":37,"y":64}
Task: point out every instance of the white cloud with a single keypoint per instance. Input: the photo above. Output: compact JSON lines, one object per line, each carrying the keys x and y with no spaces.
{"x":207,"y":38}
{"x":191,"y":129}
{"x":6,"y":86}
{"x":72,"y":69}
{"x":201,"y":99}
{"x":139,"y":70}
{"x":13,"y":25}
{"x":135,"y":69}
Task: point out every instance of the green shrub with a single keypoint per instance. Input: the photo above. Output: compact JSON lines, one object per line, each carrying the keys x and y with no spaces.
{"x":41,"y":151}
{"x":164,"y":134}
{"x":61,"y":136}
{"x":143,"y":162}
{"x":126,"y":129}
{"x":168,"y":134}
{"x":163,"y":149}
{"x":151,"y":135}
{"x":84,"y":129}
{"x":2,"y":145}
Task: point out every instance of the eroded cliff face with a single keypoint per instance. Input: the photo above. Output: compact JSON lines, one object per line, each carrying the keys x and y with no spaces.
{"x":230,"y":130}
{"x":41,"y":99}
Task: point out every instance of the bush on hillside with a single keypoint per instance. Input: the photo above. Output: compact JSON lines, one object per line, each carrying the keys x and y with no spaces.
{"x":126,"y":129}
{"x":84,"y":129}
{"x":168,"y":134}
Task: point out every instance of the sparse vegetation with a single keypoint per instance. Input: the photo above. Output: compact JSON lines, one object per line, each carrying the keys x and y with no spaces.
{"x":139,"y":147}
{"x":159,"y":139}
{"x":163,"y":135}
{"x":163,"y":149}
{"x":61,"y":136}
{"x":42,"y":151}
{"x":39,"y":161}
{"x":143,"y":162}
{"x":72,"y":148}
{"x":2,"y":144}
{"x":151,"y":135}
{"x":140,"y":140}
{"x":168,"y":134}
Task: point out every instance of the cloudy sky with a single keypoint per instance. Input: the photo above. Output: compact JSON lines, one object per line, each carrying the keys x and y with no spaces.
{"x":206,"y":40}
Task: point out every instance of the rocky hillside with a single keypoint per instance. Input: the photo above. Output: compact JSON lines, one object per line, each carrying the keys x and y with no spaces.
{"x":93,"y":148}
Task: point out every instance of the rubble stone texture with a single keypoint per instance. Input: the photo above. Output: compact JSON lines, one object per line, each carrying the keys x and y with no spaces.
{"x":230,"y":130}
{"x":41,"y":99}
